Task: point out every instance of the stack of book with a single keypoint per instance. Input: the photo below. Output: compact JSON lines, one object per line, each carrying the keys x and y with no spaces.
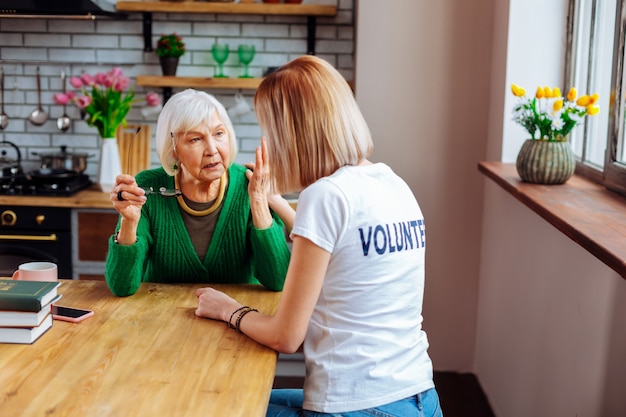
{"x":25,"y":309}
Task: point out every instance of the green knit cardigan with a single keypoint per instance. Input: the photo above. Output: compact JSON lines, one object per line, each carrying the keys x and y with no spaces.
{"x":238,"y":251}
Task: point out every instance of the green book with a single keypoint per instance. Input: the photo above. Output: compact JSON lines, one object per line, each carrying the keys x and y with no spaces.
{"x":18,"y":295}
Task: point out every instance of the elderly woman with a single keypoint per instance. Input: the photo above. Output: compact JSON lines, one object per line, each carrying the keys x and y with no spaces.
{"x":197,"y":218}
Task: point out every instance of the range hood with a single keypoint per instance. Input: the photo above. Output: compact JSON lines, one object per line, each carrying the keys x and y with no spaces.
{"x":77,"y":9}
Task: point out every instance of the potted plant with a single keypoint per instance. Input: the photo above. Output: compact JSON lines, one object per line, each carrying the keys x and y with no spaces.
{"x":105,"y":99}
{"x":547,"y":157}
{"x":169,"y":49}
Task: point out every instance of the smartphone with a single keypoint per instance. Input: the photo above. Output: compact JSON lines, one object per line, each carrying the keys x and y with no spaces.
{"x":70,"y":314}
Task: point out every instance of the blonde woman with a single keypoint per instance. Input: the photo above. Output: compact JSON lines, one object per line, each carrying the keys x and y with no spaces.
{"x":197,"y":218}
{"x":354,"y":289}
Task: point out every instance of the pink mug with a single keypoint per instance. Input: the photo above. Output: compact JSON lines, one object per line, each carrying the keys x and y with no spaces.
{"x":37,"y":271}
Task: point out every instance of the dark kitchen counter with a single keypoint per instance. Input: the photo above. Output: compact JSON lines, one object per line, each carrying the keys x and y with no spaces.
{"x":90,"y":197}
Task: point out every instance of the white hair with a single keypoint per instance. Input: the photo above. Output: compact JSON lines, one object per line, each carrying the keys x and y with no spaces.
{"x":183,"y":112}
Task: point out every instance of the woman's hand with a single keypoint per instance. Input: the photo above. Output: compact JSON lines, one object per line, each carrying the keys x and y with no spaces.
{"x":259,"y":186}
{"x":127,"y":197}
{"x":275,"y":201}
{"x":214,"y":304}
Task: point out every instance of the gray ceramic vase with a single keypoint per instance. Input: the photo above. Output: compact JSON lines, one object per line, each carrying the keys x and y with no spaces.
{"x":544,"y":162}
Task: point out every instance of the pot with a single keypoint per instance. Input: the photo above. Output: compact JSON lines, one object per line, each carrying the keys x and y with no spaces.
{"x":9,"y":167}
{"x":63,"y":161}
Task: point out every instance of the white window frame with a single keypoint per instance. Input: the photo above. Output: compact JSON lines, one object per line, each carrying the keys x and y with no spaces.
{"x":614,"y":170}
{"x":613,"y":173}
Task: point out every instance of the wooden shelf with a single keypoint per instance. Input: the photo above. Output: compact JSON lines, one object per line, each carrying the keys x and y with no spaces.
{"x":156,"y":6}
{"x":198,"y":82}
{"x":167,"y":82}
{"x":310,"y":11}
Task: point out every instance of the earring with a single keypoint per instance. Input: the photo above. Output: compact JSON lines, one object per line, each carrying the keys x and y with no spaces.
{"x":175,"y":167}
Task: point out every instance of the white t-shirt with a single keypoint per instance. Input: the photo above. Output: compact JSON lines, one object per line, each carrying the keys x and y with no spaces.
{"x":365,"y":346}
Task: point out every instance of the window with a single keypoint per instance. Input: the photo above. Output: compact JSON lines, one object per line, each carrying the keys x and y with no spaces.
{"x":595,"y":64}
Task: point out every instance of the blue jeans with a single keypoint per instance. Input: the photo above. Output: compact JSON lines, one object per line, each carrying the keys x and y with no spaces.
{"x":288,"y":403}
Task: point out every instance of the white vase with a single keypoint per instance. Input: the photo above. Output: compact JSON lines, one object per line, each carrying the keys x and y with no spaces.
{"x":110,"y":166}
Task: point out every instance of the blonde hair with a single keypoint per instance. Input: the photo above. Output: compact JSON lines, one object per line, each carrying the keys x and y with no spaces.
{"x":312,"y":123}
{"x":183,"y":112}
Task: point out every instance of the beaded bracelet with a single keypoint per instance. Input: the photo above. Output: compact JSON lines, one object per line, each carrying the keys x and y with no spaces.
{"x":232,"y":315}
{"x":240,"y":316}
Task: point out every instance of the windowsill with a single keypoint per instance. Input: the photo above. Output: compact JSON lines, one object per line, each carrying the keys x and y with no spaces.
{"x":583,"y":210}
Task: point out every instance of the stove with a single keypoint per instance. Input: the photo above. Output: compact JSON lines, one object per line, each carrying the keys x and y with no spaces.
{"x":39,"y":185}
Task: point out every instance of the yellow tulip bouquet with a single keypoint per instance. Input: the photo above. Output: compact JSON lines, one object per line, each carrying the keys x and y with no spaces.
{"x":550,"y":116}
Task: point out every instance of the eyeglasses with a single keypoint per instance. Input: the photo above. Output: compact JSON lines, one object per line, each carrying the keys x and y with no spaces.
{"x":162,"y":191}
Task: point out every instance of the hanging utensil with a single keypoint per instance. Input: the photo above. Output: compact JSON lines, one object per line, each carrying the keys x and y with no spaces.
{"x":38,"y":116}
{"x":4,"y":118}
{"x":10,"y":167}
{"x":63,"y":122}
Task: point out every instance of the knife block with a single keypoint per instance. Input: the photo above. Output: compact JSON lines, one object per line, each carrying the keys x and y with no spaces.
{"x":135,"y":152}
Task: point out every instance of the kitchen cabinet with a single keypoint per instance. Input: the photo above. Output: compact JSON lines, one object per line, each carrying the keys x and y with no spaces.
{"x":31,"y":233}
{"x":91,"y":221}
{"x":93,"y":227}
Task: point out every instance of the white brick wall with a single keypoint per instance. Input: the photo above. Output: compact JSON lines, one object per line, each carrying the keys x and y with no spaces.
{"x":95,"y":46}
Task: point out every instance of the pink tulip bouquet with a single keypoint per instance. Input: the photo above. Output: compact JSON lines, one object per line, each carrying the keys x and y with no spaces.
{"x":102,"y":99}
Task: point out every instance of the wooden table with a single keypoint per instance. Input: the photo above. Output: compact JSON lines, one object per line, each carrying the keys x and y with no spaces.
{"x":143,"y":355}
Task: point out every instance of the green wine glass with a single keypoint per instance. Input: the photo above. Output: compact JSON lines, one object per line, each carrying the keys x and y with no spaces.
{"x":246,"y":55}
{"x":220,"y":53}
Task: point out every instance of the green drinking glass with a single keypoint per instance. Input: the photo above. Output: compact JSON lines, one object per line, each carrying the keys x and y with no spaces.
{"x":220,"y":53}
{"x":246,"y":55}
